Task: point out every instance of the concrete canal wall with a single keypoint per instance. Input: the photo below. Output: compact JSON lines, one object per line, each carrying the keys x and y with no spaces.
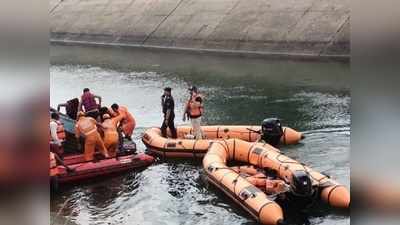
{"x":270,"y":27}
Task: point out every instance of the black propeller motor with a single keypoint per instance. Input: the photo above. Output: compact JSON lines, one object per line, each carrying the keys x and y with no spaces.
{"x":302,"y":194}
{"x":301,"y":184}
{"x":271,"y":131}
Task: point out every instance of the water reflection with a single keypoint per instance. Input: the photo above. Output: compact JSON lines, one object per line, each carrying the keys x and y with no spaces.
{"x":312,"y":97}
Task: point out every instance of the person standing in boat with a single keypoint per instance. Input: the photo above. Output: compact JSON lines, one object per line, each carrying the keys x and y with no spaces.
{"x":57,"y":134}
{"x":87,"y":127}
{"x":128,"y":122}
{"x":194,"y":111}
{"x":88,"y":104}
{"x":168,"y":108}
{"x":111,"y":136}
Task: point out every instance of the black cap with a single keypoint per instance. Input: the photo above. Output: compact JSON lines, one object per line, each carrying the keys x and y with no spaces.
{"x":192,"y":88}
{"x":55,"y":116}
{"x":168,"y":89}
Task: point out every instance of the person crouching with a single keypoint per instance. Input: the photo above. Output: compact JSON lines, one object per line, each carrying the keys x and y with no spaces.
{"x":87,"y":127}
{"x":111,"y":138}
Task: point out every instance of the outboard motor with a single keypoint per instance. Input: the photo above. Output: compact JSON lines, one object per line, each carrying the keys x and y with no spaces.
{"x":271,"y":131}
{"x":301,"y":184}
{"x":72,"y":108}
{"x":302,"y":193}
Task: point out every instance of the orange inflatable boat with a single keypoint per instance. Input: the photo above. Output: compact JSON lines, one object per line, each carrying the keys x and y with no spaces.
{"x":301,"y":181}
{"x":184,"y":147}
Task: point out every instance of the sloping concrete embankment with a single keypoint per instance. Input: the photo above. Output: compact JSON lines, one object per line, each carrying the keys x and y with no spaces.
{"x":316,"y":28}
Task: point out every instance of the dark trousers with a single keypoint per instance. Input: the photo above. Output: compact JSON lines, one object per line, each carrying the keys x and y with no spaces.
{"x":59,"y":150}
{"x":171,"y":127}
{"x":93,"y":113}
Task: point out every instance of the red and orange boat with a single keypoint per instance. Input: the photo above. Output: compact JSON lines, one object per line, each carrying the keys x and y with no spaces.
{"x":76,"y":169}
{"x":80,"y":170}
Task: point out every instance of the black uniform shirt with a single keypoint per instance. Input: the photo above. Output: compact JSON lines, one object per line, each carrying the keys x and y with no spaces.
{"x":168,"y":103}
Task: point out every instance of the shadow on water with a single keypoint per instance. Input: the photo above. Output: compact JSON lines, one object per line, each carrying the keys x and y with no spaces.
{"x":312,"y":97}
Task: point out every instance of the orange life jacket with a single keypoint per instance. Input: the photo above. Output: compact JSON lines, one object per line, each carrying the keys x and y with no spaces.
{"x":112,"y":123}
{"x":127,"y":116}
{"x":60,"y":130}
{"x":86,"y":125}
{"x":193,"y":109}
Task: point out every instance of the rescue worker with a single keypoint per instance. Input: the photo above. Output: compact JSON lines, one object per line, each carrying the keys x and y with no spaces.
{"x":57,"y":134}
{"x":87,"y":126}
{"x":88,"y":103}
{"x":168,"y":105}
{"x":128,"y":123}
{"x":111,"y":137}
{"x":194,"y":111}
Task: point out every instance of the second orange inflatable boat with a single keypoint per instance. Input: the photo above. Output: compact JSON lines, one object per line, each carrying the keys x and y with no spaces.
{"x":185,"y":147}
{"x":302,"y":183}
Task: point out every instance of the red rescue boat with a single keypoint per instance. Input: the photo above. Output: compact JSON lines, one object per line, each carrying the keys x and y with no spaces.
{"x":79,"y":170}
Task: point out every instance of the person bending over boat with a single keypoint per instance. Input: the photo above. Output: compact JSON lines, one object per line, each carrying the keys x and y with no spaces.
{"x":194,"y":111}
{"x":168,"y":105}
{"x":111,"y":137}
{"x":57,"y":134}
{"x":87,"y":127}
{"x":128,"y":122}
{"x":88,"y":103}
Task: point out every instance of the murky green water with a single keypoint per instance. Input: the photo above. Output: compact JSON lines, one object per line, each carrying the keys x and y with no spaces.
{"x":312,"y":97}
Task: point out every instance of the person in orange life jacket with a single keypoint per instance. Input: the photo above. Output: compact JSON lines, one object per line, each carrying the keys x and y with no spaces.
{"x":105,"y":110}
{"x":57,"y":134}
{"x":89,"y":104}
{"x":111,"y":137}
{"x":87,"y":127}
{"x":194,"y":111}
{"x":128,"y":123}
{"x":168,"y":105}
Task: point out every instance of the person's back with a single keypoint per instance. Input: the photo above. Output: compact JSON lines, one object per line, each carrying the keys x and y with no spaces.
{"x":127,"y":115}
{"x":89,"y":105}
{"x":88,"y":102}
{"x":128,"y":122}
{"x":110,"y":124}
{"x":87,"y":126}
{"x":110,"y":133}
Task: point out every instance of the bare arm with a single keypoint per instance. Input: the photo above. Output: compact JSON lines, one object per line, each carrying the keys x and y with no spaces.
{"x":118,"y":118}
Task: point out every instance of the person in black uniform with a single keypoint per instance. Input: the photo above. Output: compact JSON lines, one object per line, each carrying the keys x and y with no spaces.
{"x":168,"y":105}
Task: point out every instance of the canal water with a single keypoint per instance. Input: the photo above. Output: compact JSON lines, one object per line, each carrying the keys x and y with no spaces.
{"x":312,"y":97}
